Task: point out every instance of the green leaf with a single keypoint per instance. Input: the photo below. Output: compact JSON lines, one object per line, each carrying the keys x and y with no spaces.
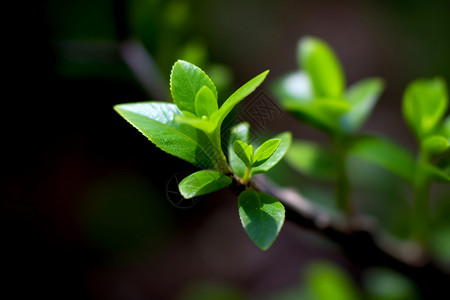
{"x":445,"y":130}
{"x":244,"y":151}
{"x":238,"y":96}
{"x":295,"y":86}
{"x":203,"y":182}
{"x":312,"y":160}
{"x":186,"y":80}
{"x":322,"y":66}
{"x":262,"y":217}
{"x":265,"y":151}
{"x":205,"y":102}
{"x":156,"y":121}
{"x":424,"y":105}
{"x":240,"y":132}
{"x":321,"y":113}
{"x":362,"y":97}
{"x":435,"y":173}
{"x":283,"y":147}
{"x":386,"y":154}
{"x":435,"y":144}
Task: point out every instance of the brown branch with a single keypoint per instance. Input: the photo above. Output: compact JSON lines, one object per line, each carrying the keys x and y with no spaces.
{"x":362,"y":241}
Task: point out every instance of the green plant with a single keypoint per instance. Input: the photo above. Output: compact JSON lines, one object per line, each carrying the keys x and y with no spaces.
{"x":190,"y":129}
{"x":318,"y":97}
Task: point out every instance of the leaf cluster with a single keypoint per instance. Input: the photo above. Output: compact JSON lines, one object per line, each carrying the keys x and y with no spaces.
{"x":190,"y":129}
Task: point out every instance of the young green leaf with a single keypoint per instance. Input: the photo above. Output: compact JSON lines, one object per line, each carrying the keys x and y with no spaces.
{"x":312,"y":160}
{"x":262,"y":217}
{"x":186,"y":80}
{"x":238,"y":96}
{"x":435,"y":144}
{"x":244,"y":151}
{"x":362,"y":97}
{"x":156,"y":121}
{"x":322,"y":66}
{"x":205,"y":102}
{"x":285,"y":142}
{"x":265,"y":151}
{"x":424,"y":105}
{"x":240,"y":132}
{"x":203,"y":182}
{"x":386,"y":154}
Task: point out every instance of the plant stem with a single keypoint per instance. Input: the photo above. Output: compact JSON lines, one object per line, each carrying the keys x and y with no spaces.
{"x":219,"y":156}
{"x":342,"y":182}
{"x":246,"y":178}
{"x":421,"y":210}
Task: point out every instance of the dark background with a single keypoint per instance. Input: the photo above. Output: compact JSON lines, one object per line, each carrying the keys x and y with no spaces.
{"x":84,"y":211}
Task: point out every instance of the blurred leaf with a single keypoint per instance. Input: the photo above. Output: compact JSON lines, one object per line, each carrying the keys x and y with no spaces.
{"x":205,"y":102}
{"x":203,"y":182}
{"x":440,"y":243}
{"x":295,"y":86}
{"x":325,"y":281}
{"x":262,"y":217}
{"x":238,"y":96}
{"x":446,"y":128}
{"x":321,"y":113}
{"x":186,"y":80}
{"x":435,"y":144}
{"x":386,"y":284}
{"x":362,"y":96}
{"x":156,"y":121}
{"x":435,"y":173}
{"x":265,"y":151}
{"x":241,"y":132}
{"x":424,"y":105}
{"x":286,"y":139}
{"x":322,"y":67}
{"x":386,"y":154}
{"x":312,"y":160}
{"x":244,"y":151}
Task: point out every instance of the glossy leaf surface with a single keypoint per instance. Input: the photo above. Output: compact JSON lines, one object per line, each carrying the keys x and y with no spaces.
{"x":186,"y":80}
{"x":244,"y":151}
{"x":262,"y":217}
{"x":283,"y":147}
{"x":203,"y":182}
{"x":238,"y":96}
{"x":265,"y":151}
{"x":156,"y":120}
